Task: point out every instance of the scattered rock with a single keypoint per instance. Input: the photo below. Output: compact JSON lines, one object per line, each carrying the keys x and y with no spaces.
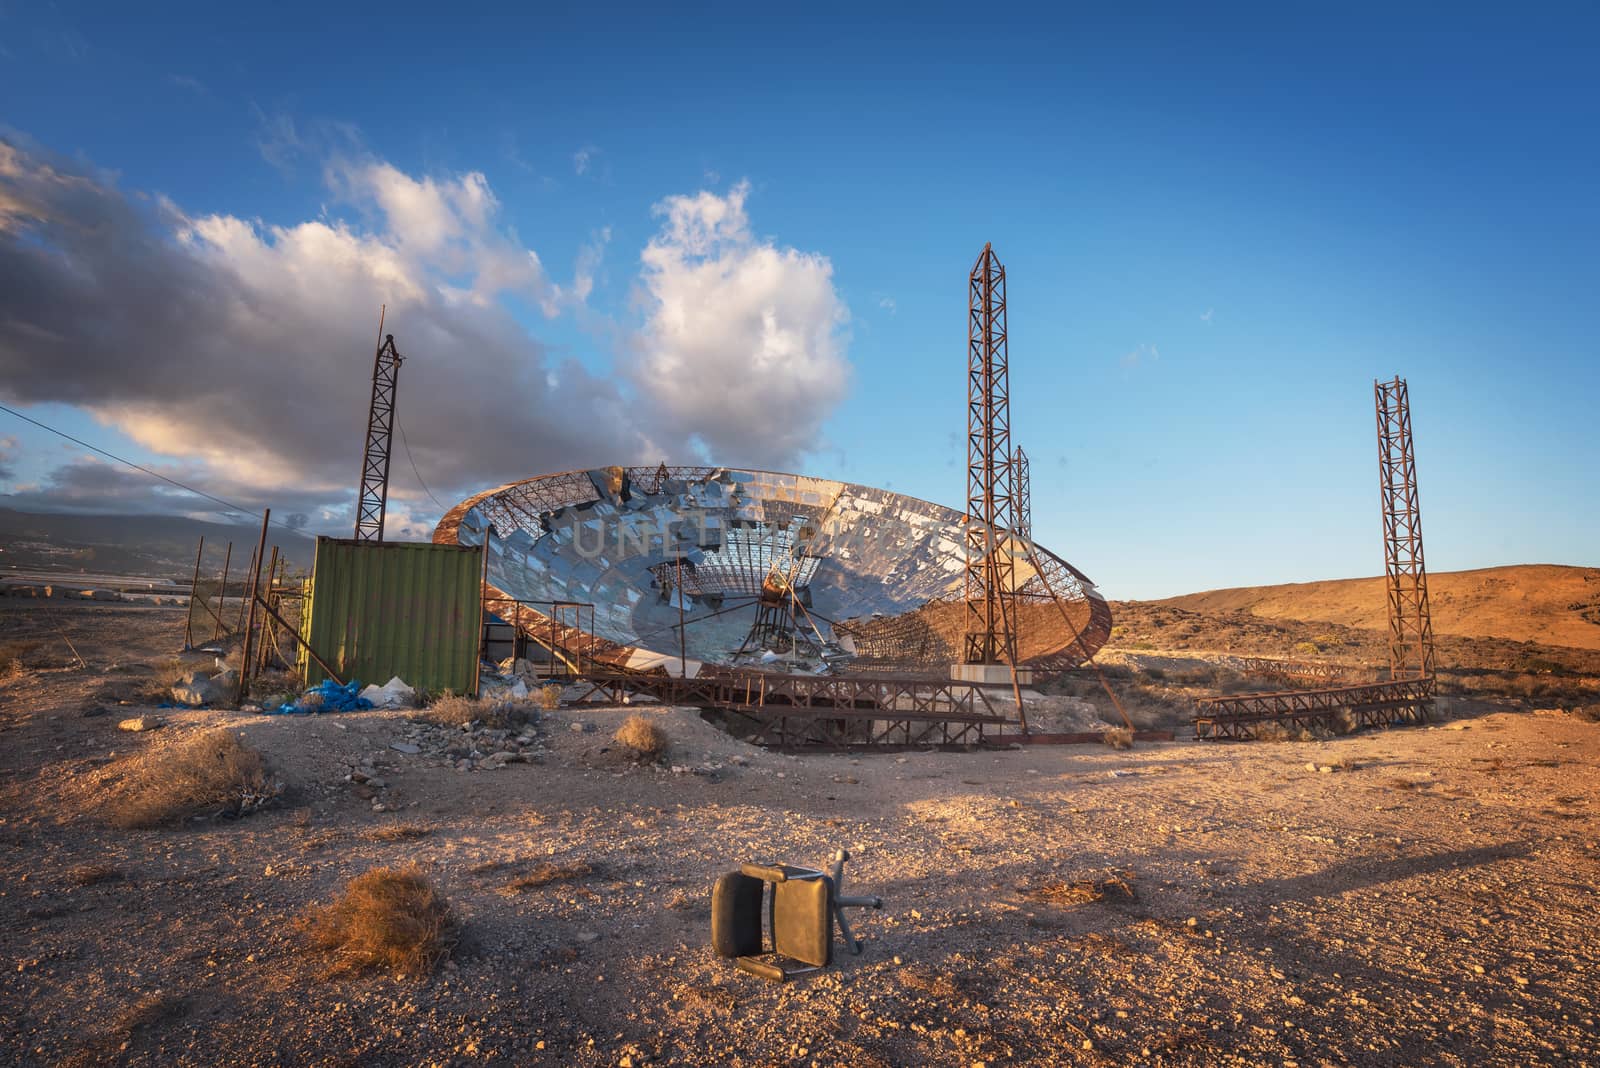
{"x":410,"y":748}
{"x":142,"y":723}
{"x":198,"y":688}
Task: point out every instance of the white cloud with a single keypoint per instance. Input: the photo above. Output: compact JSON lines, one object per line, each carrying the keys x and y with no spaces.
{"x":582,"y":159}
{"x":244,"y":350}
{"x":1205,"y":317}
{"x":887,"y":304}
{"x":744,"y":348}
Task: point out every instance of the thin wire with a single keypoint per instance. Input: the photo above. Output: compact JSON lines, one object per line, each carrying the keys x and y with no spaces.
{"x":232,"y":508}
{"x":414,"y":470}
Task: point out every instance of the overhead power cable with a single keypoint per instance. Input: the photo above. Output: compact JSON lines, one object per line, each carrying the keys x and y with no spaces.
{"x":407,"y":446}
{"x":229,"y":505}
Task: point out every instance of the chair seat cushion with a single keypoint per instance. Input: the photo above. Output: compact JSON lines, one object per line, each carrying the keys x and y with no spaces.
{"x":802,"y":920}
{"x":736,"y":915}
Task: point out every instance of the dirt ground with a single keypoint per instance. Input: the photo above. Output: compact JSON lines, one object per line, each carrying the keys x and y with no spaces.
{"x":1419,"y":896}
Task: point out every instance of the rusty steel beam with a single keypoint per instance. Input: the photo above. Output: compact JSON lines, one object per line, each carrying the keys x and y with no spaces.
{"x":1406,"y":576}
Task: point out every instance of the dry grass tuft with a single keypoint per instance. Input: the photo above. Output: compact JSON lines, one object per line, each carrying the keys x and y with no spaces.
{"x":453,"y":711}
{"x":398,"y":831}
{"x":17,"y":657}
{"x":545,"y":874}
{"x":1118,"y":738}
{"x":209,"y":774}
{"x":1082,"y":891}
{"x":389,"y":918}
{"x":92,"y":874}
{"x":641,"y":735}
{"x":550,"y":698}
{"x":928,"y":981}
{"x":147,"y":1012}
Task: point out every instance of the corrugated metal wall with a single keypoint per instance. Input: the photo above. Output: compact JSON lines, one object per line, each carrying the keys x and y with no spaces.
{"x":380,"y":609}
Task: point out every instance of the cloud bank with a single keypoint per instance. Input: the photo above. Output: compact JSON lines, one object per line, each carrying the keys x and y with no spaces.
{"x":242,"y":350}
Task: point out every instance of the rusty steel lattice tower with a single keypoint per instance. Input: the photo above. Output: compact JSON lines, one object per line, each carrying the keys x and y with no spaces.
{"x":991,"y":507}
{"x":1410,"y":625}
{"x":380,"y":429}
{"x":1023,"y":494}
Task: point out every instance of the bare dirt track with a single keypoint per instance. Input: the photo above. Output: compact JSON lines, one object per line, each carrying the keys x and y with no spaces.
{"x":1427,"y":899}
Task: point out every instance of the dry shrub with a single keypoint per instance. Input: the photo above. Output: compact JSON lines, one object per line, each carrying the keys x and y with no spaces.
{"x":1082,"y":891}
{"x":389,"y":918}
{"x":209,"y":774}
{"x":1118,"y":738}
{"x":545,"y":874}
{"x":1272,"y":732}
{"x":550,"y":698}
{"x":12,"y":670}
{"x":398,"y":831}
{"x":453,"y":711}
{"x":92,"y":874}
{"x":641,"y":735}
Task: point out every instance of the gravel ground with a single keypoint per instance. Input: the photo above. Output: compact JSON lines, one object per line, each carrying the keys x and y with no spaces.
{"x":1421,"y":896}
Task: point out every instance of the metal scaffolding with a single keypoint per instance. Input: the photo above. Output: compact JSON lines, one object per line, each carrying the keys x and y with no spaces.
{"x":989,"y":637}
{"x":1410,"y":625}
{"x":380,"y":428}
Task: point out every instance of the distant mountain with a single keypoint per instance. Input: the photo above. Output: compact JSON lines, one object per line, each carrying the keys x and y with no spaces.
{"x":156,"y":546}
{"x":1546,"y":603}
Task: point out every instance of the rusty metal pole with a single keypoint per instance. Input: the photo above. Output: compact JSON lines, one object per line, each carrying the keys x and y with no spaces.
{"x":266,"y":624}
{"x":222,"y":597}
{"x":194,"y":585}
{"x":250,"y":625}
{"x":248,"y":571}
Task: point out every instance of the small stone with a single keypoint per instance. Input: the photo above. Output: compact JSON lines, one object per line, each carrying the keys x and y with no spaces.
{"x":1325,"y":769}
{"x":142,"y":723}
{"x":1191,"y":922}
{"x":1311,"y":767}
{"x":577,"y":728}
{"x":405,"y":747}
{"x":588,"y":936}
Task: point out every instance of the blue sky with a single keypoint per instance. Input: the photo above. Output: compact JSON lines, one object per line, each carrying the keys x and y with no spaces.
{"x":1219,"y":225}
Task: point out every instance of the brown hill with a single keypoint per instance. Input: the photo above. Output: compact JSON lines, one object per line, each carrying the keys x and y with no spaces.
{"x":1546,"y":603}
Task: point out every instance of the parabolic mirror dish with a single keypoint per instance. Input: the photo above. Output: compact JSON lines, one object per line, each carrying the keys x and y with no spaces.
{"x":768,"y":571}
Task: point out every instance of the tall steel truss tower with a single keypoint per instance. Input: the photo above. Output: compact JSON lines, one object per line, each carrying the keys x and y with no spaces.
{"x":1023,"y":492}
{"x":1410,"y":625}
{"x":990,"y":637}
{"x":374,"y":499}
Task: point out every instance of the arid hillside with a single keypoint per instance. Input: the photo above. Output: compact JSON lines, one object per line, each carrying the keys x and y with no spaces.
{"x":1545,"y":603}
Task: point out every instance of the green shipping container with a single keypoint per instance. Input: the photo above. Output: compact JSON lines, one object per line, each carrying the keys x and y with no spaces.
{"x":380,"y":609}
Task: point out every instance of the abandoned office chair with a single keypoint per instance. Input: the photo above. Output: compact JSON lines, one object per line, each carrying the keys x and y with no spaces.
{"x":801,"y":911}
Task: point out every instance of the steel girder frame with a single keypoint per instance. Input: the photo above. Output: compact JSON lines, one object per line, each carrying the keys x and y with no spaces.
{"x":1370,"y":705}
{"x":374,"y":496}
{"x":1410,"y":623}
{"x":989,"y":636}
